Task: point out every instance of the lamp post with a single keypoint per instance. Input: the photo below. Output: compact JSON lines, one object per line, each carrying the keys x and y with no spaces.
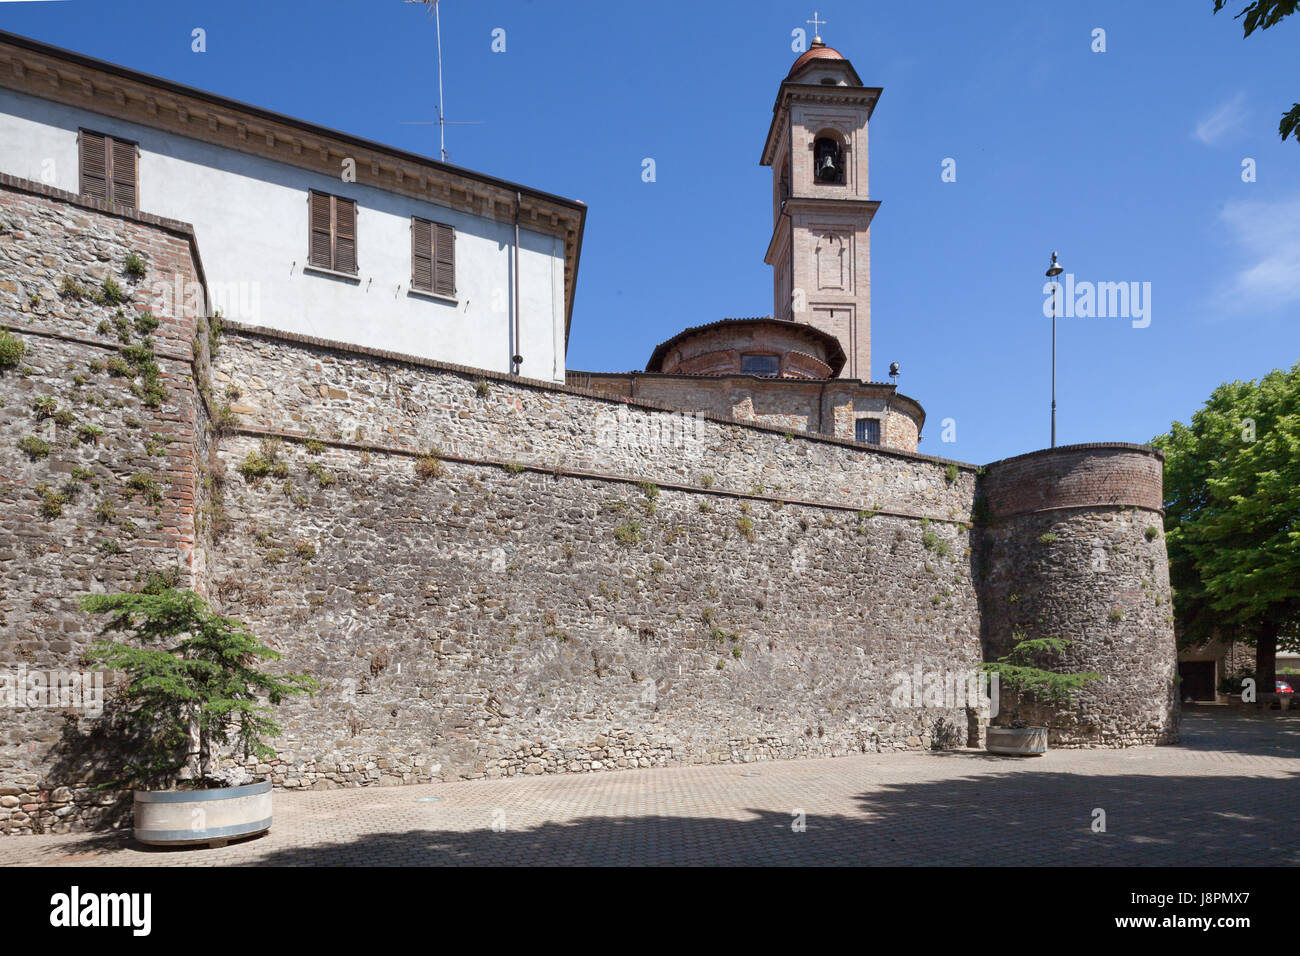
{"x":1054,"y":270}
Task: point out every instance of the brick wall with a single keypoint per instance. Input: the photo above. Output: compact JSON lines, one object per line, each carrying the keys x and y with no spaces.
{"x":1074,"y":476}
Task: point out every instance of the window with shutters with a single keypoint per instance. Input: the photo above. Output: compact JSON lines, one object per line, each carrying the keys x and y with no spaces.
{"x":867,"y":430}
{"x":333,"y":233}
{"x":109,"y":168}
{"x":433,"y":257}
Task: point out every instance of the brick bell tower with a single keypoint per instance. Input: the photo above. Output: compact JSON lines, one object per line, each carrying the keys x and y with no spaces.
{"x":820,"y":249}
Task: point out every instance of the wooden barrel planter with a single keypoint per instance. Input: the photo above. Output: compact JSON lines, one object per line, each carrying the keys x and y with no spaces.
{"x":214,"y":817}
{"x":1017,"y":741}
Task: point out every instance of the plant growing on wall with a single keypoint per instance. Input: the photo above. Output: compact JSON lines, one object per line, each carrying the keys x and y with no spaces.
{"x":34,"y":447}
{"x":11,"y":349}
{"x":429,"y":465}
{"x":1018,"y":671}
{"x":111,"y":293}
{"x":193,"y":684}
{"x":134,"y":267}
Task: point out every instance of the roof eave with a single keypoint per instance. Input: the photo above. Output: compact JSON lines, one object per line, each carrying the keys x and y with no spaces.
{"x":544,"y":206}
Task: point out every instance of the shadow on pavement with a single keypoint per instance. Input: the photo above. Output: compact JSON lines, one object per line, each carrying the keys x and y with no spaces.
{"x":1014,"y":818}
{"x":999,"y":811}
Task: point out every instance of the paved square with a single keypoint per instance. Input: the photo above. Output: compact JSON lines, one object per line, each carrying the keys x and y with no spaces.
{"x":1229,"y":795}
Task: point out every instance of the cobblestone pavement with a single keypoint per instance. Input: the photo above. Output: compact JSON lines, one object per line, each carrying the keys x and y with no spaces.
{"x":1230,"y":794}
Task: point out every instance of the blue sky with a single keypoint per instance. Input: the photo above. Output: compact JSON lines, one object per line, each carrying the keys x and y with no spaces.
{"x":1129,"y":162}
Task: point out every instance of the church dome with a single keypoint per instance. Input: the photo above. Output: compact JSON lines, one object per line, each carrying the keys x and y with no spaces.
{"x":818,"y":51}
{"x":775,"y":348}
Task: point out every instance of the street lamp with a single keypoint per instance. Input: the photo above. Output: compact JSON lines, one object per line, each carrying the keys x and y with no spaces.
{"x":1054,"y":270}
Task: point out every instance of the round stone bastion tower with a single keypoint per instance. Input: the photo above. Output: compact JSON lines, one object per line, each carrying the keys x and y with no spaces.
{"x":1071,"y":544}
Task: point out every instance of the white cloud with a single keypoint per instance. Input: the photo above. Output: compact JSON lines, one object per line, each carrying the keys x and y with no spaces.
{"x":1224,"y":119}
{"x":1268,"y":236}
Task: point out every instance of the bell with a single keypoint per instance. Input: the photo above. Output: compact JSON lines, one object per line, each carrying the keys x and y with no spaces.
{"x":827,"y":168}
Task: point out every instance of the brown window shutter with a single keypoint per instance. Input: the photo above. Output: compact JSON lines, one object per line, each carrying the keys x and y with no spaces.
{"x":345,"y":235}
{"x":320,"y":253}
{"x":445,"y":260}
{"x":123,"y":173}
{"x":422,"y":255}
{"x":94,"y":165}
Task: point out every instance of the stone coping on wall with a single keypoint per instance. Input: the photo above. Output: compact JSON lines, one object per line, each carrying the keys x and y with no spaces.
{"x":231,"y":326}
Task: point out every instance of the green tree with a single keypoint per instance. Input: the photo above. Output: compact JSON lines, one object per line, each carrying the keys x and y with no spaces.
{"x":1232,"y":517}
{"x":193,"y":683}
{"x":1260,"y":15}
{"x":1018,"y":671}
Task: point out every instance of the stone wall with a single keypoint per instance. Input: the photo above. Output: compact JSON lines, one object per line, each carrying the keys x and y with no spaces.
{"x":491,"y":575}
{"x":97,"y":470}
{"x":556,"y":595}
{"x":1074,"y":548}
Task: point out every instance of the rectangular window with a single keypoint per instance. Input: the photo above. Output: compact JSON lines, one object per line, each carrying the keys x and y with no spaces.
{"x":760,"y":364}
{"x":433,"y":257}
{"x":109,"y":168}
{"x":867,"y":430}
{"x":333,"y":227}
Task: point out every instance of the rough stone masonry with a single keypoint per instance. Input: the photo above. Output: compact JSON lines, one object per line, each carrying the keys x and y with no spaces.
{"x":487,"y":578}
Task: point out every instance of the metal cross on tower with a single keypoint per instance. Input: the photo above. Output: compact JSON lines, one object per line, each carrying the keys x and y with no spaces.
{"x":815,"y":25}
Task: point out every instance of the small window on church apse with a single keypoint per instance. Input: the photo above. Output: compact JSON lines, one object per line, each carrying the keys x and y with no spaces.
{"x":867,"y":430}
{"x":828,"y":161}
{"x":760,"y":364}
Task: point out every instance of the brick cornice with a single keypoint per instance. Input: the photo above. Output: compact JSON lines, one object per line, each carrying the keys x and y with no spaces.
{"x":866,"y":208}
{"x":1082,"y":447}
{"x":813,"y":93}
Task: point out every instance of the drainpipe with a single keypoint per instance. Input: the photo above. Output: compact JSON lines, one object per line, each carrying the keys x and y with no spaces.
{"x":889,"y":410}
{"x":517,"y":360}
{"x":821,"y":410}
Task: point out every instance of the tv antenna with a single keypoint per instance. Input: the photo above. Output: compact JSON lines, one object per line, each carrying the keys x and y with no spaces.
{"x":442,"y":121}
